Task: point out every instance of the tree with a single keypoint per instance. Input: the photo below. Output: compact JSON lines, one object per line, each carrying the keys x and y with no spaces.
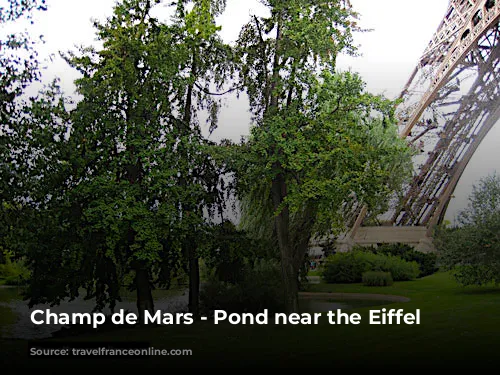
{"x":207,"y":61}
{"x":133,"y":180}
{"x":19,"y":67}
{"x":316,"y":143}
{"x":471,"y":249}
{"x":17,"y":70}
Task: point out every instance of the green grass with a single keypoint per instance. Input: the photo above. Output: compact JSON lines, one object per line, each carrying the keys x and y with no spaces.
{"x":460,"y":328}
{"x":314,"y":273}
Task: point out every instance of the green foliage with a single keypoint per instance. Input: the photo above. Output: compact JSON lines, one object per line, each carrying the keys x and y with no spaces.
{"x":319,"y":140}
{"x":262,"y":285}
{"x":293,"y":163}
{"x":344,"y":268}
{"x":483,"y":203}
{"x":228,"y":250}
{"x":376,"y":278}
{"x":219,"y":295}
{"x":332,"y":148}
{"x":472,"y":248}
{"x":19,"y":67}
{"x":280,"y":52}
{"x":349,"y":267}
{"x":427,"y":262}
{"x":13,"y":272}
{"x":480,"y":275}
{"x":260,"y":288}
{"x":400,"y":269}
{"x":124,"y":181}
{"x":243,"y":272}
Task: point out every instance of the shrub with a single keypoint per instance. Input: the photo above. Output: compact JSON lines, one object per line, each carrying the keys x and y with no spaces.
{"x":349,"y":267}
{"x":469,"y":274}
{"x":427,"y":262}
{"x":344,"y":268}
{"x":401,"y":270}
{"x":14,"y":280}
{"x":260,"y":288}
{"x":220,"y":295}
{"x":13,"y":272}
{"x":375,"y":278}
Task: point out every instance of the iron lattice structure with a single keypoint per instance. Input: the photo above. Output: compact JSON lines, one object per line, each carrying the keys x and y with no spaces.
{"x":449,"y":104}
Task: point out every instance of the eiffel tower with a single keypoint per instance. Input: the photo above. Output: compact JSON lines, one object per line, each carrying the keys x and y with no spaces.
{"x":448,"y":106}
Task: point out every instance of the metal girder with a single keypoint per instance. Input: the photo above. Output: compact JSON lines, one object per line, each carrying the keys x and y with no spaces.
{"x":449,"y":104}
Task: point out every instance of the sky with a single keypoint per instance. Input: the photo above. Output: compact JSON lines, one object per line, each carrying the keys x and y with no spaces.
{"x":400,"y":31}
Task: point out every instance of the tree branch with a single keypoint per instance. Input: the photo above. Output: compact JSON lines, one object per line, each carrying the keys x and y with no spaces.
{"x":264,"y":59}
{"x":218,"y":93}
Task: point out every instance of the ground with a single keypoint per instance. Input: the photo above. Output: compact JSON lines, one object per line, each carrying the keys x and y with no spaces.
{"x":460,"y":327}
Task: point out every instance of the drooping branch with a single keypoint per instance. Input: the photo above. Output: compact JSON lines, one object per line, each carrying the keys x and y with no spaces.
{"x":276,"y":65}
{"x":264,"y":58}
{"x":208,"y":92}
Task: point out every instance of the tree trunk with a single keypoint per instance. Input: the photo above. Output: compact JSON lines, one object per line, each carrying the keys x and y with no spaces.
{"x":288,"y":269}
{"x":290,"y":283}
{"x":302,"y":235}
{"x":144,"y":296}
{"x":193,"y":262}
{"x":194,"y":283}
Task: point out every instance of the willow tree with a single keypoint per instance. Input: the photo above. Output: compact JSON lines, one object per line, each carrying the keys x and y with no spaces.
{"x":136,"y":181}
{"x":319,"y":138}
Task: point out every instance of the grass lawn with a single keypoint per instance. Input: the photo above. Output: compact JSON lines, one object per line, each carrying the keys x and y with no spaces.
{"x":315,"y":272}
{"x":460,"y":328}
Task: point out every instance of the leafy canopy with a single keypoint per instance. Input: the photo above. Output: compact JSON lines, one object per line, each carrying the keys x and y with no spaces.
{"x":132,"y":178}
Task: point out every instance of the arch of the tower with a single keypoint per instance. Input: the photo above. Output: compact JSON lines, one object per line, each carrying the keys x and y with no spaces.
{"x":450,"y":103}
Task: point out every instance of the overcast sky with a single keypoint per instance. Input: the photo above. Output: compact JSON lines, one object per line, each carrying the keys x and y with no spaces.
{"x":401,"y":31}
